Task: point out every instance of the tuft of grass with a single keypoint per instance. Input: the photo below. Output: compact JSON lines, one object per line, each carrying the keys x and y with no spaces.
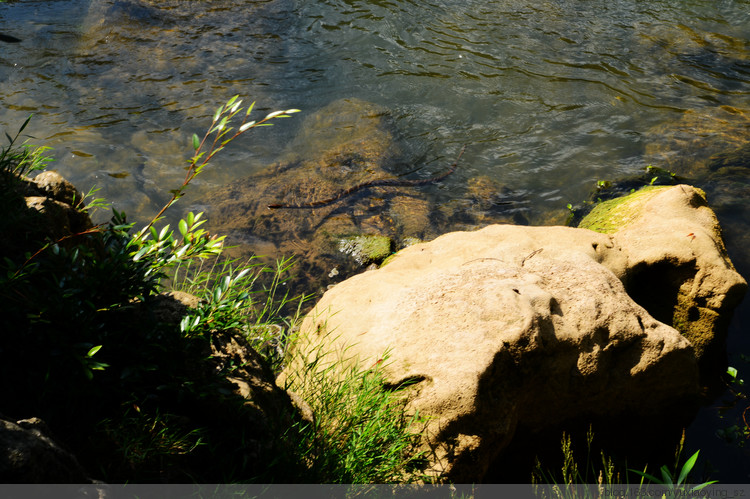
{"x":157,"y":442}
{"x":361,"y":432}
{"x":23,"y":159}
{"x":603,"y":477}
{"x":599,"y":470}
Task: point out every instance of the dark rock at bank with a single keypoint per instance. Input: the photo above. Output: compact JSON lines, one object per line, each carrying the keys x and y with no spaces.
{"x":30,"y":454}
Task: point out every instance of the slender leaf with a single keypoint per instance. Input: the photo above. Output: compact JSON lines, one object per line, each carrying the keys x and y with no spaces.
{"x":687,"y":467}
{"x":183,"y":226}
{"x":25,"y":123}
{"x":218,"y":113}
{"x":666,"y":475}
{"x":231,"y":101}
{"x":703,"y":485}
{"x":247,"y":125}
{"x":274,"y":114}
{"x":647,"y":476}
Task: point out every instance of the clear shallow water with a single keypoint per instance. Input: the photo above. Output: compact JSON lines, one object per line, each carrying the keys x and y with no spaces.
{"x":550,"y":96}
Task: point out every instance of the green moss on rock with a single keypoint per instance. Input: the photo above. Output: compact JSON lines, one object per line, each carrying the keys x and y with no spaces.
{"x":366,"y":249}
{"x":610,"y":216}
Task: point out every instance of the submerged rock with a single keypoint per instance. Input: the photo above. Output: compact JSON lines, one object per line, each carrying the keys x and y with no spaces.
{"x":366,"y":249}
{"x":347,"y":143}
{"x":281,"y":211}
{"x":701,"y":141}
{"x":511,"y":326}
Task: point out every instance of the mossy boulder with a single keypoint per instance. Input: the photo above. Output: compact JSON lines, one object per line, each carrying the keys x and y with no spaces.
{"x":677,"y":266}
{"x":490,"y":332}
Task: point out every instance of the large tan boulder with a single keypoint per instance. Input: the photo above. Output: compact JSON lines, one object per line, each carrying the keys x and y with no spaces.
{"x":505,"y":324}
{"x":511,"y":326}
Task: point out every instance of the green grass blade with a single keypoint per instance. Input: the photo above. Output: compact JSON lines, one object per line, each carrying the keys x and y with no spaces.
{"x":687,"y":467}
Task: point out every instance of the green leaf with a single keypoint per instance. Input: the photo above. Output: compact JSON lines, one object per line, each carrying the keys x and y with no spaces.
{"x":183,"y":226}
{"x":732,"y":372}
{"x":250,"y":109}
{"x":687,"y":467}
{"x":236,"y":106}
{"x":93,"y":351}
{"x":25,"y":123}
{"x":703,"y":485}
{"x":196,"y":142}
{"x":140,"y":254}
{"x":650,"y":478}
{"x":274,"y":114}
{"x":666,"y":475}
{"x":218,"y":113}
{"x":222,"y":124}
{"x":247,"y":125}
{"x":163,"y":233}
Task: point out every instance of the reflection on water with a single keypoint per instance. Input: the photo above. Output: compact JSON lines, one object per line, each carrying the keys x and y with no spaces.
{"x":550,"y":96}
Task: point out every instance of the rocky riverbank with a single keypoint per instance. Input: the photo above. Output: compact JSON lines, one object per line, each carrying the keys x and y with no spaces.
{"x":486,"y":333}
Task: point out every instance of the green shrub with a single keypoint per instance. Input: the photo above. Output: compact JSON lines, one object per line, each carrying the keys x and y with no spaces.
{"x":82,"y":344}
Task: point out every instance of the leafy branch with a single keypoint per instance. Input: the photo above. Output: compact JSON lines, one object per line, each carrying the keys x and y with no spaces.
{"x":220,"y":128}
{"x":163,"y":248}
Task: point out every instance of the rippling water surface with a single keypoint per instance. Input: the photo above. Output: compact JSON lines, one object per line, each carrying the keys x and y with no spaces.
{"x":550,"y":96}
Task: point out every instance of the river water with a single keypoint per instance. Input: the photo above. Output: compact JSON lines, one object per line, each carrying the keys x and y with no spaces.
{"x":549,"y":95}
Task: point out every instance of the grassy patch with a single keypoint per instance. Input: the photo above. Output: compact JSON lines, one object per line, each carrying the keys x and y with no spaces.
{"x":361,"y":432}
